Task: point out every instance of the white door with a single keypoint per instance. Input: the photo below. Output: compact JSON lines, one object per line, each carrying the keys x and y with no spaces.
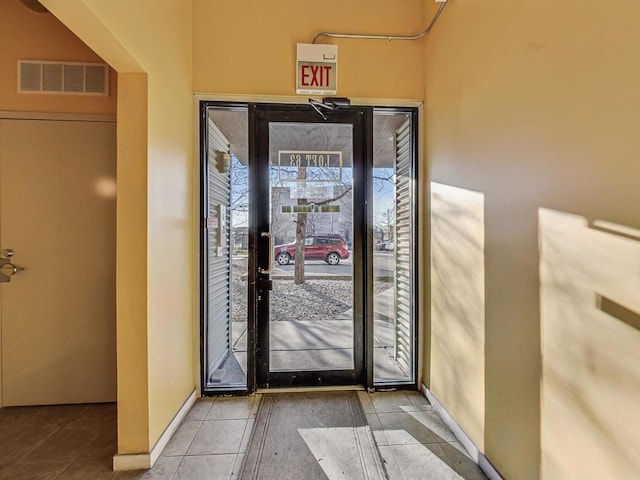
{"x":57,"y":215}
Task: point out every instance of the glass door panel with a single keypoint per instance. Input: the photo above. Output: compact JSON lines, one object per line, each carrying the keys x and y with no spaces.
{"x":225,"y":248}
{"x":310,"y":190}
{"x":394,"y":232}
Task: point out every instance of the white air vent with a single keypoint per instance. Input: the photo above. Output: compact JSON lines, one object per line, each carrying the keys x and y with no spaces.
{"x":66,"y":78}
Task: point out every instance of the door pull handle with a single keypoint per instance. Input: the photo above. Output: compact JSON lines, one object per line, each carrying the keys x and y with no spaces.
{"x":266,"y":271}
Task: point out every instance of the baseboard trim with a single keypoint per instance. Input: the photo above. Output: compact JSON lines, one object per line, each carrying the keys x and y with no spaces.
{"x":134,"y":461}
{"x":475,"y":453}
{"x":143,"y":461}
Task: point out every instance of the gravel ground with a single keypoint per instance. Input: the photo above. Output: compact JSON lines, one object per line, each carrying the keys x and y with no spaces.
{"x":314,"y":300}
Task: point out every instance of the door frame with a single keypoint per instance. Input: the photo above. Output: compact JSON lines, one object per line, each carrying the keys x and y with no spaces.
{"x":421,"y":239}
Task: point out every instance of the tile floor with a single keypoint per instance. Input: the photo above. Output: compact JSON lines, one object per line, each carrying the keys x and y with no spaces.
{"x":78,"y":442}
{"x":57,"y":442}
{"x":413,"y":441}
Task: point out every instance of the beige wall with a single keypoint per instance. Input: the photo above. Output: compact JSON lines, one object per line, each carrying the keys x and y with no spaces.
{"x":249,"y":47}
{"x":27,"y":35}
{"x":132,"y":261}
{"x":535,"y":106}
{"x":457,"y":339}
{"x":149,"y":44}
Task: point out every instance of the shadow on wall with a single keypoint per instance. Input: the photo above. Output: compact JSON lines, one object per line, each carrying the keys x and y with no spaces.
{"x":590,"y":314}
{"x":485,"y":348}
{"x":458,"y":305}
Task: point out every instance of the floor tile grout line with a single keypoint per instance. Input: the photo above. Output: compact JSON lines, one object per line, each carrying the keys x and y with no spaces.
{"x":204,"y":455}
{"x":452,"y":463}
{"x":38,"y":445}
{"x":244,"y":432}
{"x":175,"y":473}
{"x":384,"y":431}
{"x":233,"y":467}
{"x":449,"y":461}
{"x":232,"y":418}
{"x":395,"y":459}
{"x":215,"y":399}
{"x":63,"y":470}
{"x":191,"y":442}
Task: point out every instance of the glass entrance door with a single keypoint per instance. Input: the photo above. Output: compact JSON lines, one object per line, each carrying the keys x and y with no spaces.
{"x":308,"y":187}
{"x":308,"y":246}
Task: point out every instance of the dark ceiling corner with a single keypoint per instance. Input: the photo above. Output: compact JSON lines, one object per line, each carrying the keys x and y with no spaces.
{"x":35,"y":5}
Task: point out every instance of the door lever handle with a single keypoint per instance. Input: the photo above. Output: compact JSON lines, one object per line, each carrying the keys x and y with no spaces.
{"x":266,"y":271}
{"x":8,"y":269}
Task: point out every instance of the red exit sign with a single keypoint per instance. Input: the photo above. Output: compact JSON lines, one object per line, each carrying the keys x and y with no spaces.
{"x":316,"y":75}
{"x":317,"y":69}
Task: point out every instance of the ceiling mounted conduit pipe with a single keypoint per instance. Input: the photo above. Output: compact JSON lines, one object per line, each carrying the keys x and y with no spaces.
{"x":443,"y":3}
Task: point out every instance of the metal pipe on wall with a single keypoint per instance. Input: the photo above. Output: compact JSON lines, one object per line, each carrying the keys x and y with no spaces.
{"x":386,"y":37}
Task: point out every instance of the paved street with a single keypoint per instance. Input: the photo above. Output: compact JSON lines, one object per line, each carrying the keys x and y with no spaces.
{"x":383,"y":263}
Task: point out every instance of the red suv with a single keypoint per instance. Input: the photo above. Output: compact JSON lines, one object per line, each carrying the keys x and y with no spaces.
{"x":330,"y":248}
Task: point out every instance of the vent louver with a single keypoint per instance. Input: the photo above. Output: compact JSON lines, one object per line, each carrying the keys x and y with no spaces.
{"x":63,"y":78}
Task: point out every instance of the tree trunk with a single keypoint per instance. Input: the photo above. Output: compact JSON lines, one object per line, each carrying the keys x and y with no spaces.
{"x":301,"y":233}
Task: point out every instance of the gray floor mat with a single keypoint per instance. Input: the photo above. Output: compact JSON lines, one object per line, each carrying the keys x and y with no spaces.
{"x":319,"y":435}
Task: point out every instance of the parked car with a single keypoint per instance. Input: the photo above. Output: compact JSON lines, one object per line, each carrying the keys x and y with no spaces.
{"x":388,"y":245}
{"x":330,"y":248}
